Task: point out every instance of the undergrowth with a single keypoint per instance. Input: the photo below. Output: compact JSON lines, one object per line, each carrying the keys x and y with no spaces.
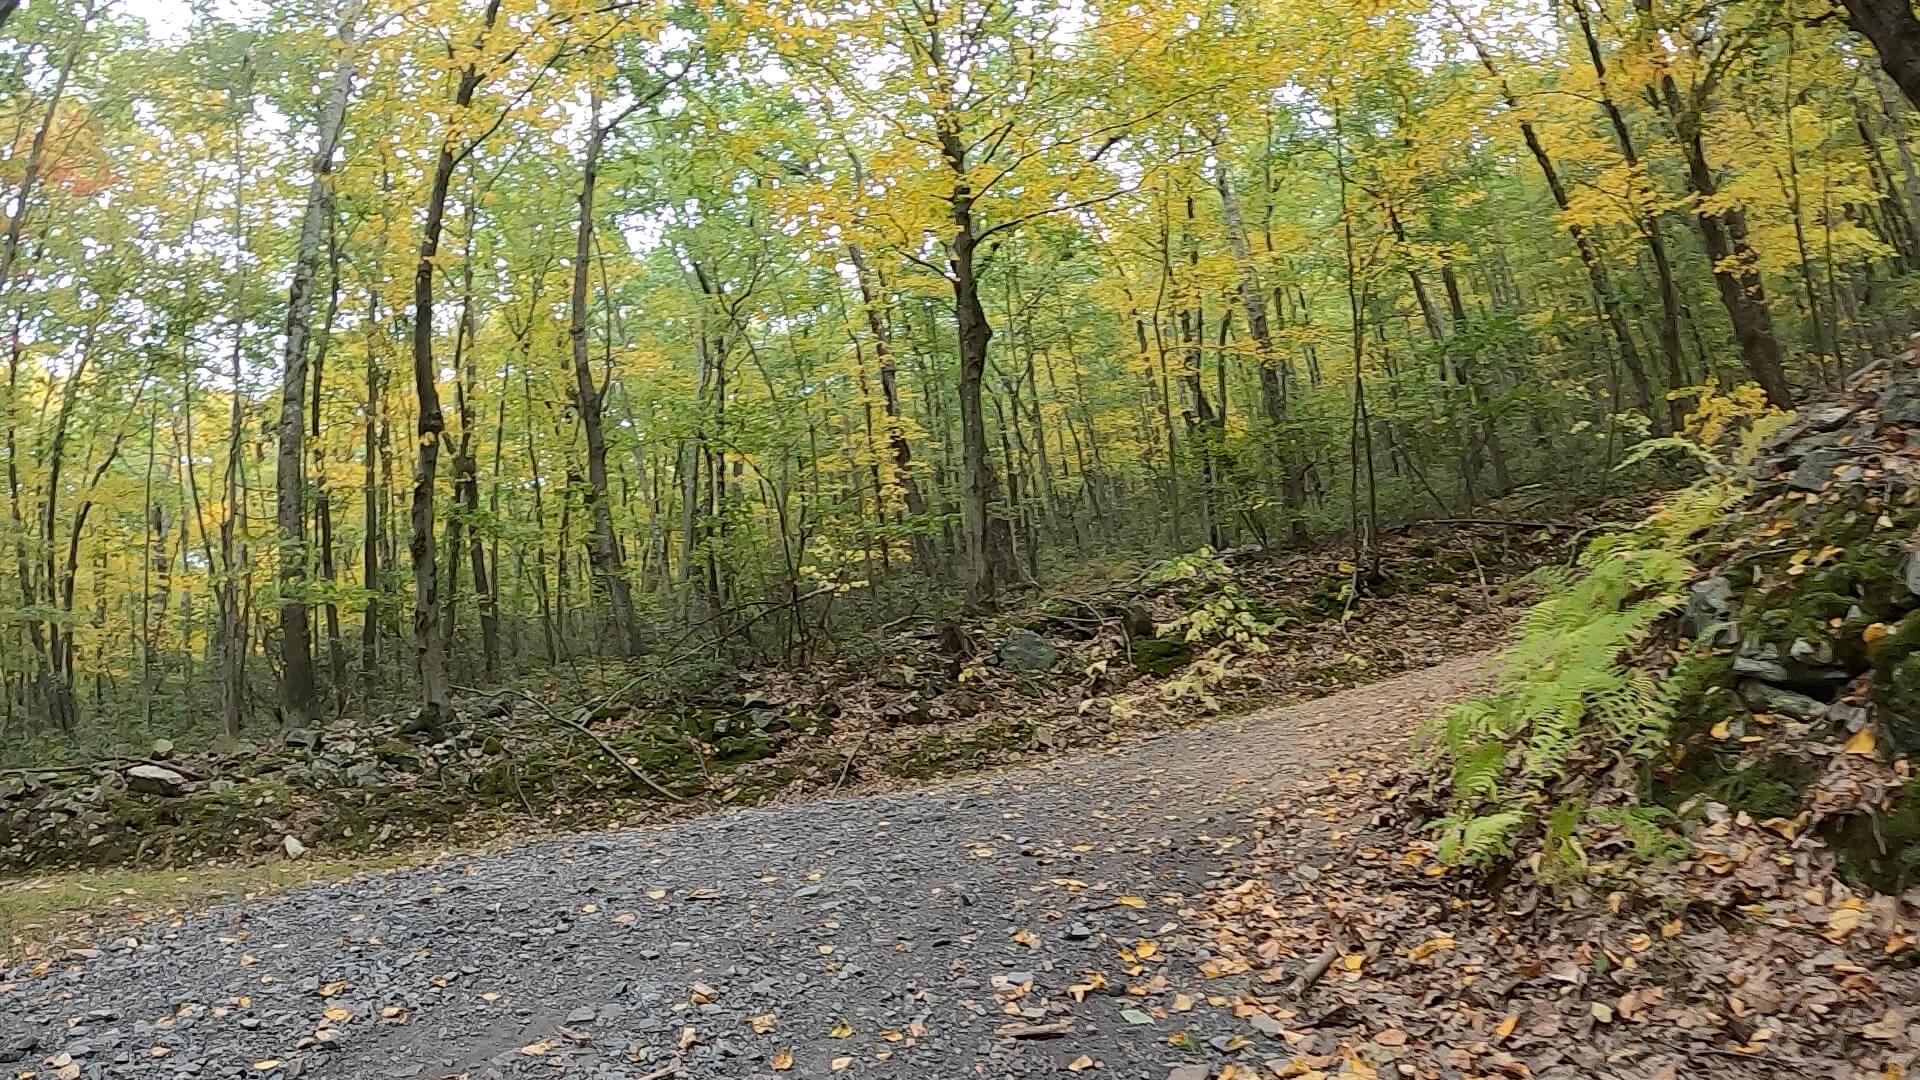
{"x":1568,"y":703}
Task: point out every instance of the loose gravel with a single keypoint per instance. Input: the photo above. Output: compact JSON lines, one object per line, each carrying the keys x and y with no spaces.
{"x":934,"y":933}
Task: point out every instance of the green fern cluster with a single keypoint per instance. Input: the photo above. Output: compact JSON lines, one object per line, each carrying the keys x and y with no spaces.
{"x":1562,"y":690}
{"x":1564,"y":700}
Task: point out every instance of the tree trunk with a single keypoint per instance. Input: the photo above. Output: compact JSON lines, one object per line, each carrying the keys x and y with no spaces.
{"x":603,"y":548}
{"x":429,"y":647}
{"x":1273,"y":390}
{"x":296,"y":655}
{"x":1895,"y":33}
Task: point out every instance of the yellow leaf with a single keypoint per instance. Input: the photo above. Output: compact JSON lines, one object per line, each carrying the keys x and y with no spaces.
{"x":1722,"y":729}
{"x":1874,"y":632}
{"x":1130,"y":901}
{"x":1506,"y":1025}
{"x":840,"y":1030}
{"x":1145,"y":948}
{"x":1861,"y":743}
{"x":764,"y":1023}
{"x":1026,"y":938}
{"x":338,"y":1015}
{"x":1182,"y":1003}
{"x":689,"y":1036}
{"x":656,"y":894}
{"x":333,"y":988}
{"x":839,"y":1063}
{"x":538,"y":1049}
{"x":267,"y":1064}
{"x":1080,"y":1064}
{"x":782,"y":1061}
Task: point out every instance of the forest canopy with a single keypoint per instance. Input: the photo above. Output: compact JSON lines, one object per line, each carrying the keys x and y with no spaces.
{"x":359,"y":350}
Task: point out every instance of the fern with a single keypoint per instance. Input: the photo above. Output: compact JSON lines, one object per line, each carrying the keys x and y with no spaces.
{"x":1564,"y":699}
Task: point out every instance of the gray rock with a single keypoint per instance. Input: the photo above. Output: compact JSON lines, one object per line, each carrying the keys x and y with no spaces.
{"x":1756,"y":668}
{"x":1027,"y":651}
{"x":1910,"y":572}
{"x":1765,"y":697}
{"x":1811,"y":652}
{"x":156,"y":780}
{"x":1710,"y":610}
{"x":1815,"y":470}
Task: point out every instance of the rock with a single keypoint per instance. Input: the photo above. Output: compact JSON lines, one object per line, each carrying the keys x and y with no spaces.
{"x":1764,"y":697}
{"x":1765,"y":670}
{"x":1830,"y":418}
{"x":1710,"y":611}
{"x":156,"y":780}
{"x":306,"y":738}
{"x":1027,"y":651}
{"x":162,"y":748}
{"x":771,"y":721}
{"x":1815,"y":470}
{"x":293,"y":847}
{"x":1811,"y":652}
{"x":1910,"y":572}
{"x":1139,"y":621}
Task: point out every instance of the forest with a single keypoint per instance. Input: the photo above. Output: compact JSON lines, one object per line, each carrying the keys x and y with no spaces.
{"x":360,"y":350}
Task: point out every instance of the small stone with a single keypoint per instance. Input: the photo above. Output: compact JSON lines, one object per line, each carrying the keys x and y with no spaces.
{"x":585,"y":1014}
{"x":156,"y":780}
{"x":1079,"y":932}
{"x":1265,"y":1025}
{"x":293,"y":847}
{"x":1026,"y":651}
{"x":1763,"y":697}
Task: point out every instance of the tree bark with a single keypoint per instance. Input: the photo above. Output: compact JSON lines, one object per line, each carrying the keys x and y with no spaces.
{"x":1895,"y":33}
{"x":1273,"y":390}
{"x":429,"y":647}
{"x":603,"y":549}
{"x":296,"y":654}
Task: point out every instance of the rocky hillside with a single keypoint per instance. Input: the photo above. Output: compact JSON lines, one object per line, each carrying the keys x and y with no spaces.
{"x":1794,"y":669}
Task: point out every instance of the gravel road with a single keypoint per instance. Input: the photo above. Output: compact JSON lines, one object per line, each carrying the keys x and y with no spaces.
{"x":935,"y":933}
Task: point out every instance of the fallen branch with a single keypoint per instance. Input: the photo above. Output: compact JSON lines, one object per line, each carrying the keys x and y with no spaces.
{"x":1506,"y":522}
{"x":1312,"y":972}
{"x":105,"y":764}
{"x":589,"y":733}
{"x":851,"y":754}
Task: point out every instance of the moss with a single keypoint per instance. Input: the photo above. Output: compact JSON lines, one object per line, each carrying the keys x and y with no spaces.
{"x":1882,"y":851}
{"x":939,"y":757}
{"x":1698,"y":764}
{"x":1161,"y":656}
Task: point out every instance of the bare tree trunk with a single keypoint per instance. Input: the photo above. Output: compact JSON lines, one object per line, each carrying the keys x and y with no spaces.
{"x":429,"y":647}
{"x":296,"y":656}
{"x":1895,"y":33}
{"x":603,"y":549}
{"x":1273,"y":389}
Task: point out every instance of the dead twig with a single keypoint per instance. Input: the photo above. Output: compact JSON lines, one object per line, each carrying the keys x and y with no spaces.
{"x":589,"y":733}
{"x":851,"y":754}
{"x":1311,"y":973}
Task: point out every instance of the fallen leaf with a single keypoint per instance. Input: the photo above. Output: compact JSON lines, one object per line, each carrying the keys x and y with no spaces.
{"x":782,"y":1061}
{"x":1080,"y":1064}
{"x":1860,"y":742}
{"x":539,"y":1049}
{"x":840,"y":1030}
{"x":1130,"y":901}
{"x":839,"y":1063}
{"x":764,"y":1023}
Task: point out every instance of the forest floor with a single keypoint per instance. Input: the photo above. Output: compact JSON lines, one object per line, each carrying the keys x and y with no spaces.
{"x":1240,"y":898}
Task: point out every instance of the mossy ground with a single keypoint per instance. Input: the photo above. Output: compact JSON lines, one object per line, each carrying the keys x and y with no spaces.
{"x":40,"y":910}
